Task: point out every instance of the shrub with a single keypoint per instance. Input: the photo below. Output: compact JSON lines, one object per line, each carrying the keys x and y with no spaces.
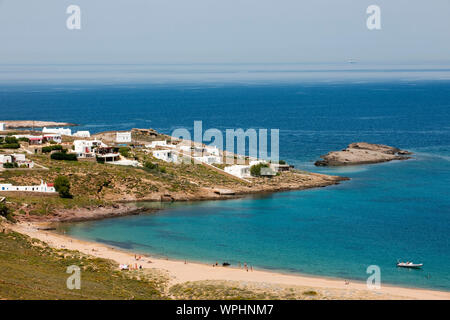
{"x":11,"y":140}
{"x":150,"y":165}
{"x":64,"y":156}
{"x":10,"y":165}
{"x":10,"y":146}
{"x":62,"y":185}
{"x":24,"y":139}
{"x":124,"y":151}
{"x":5,"y":212}
{"x":255,"y":170}
{"x":52,"y":148}
{"x":99,"y":160}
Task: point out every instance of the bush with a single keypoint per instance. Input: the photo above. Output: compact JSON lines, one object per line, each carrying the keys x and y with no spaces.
{"x":52,"y":148}
{"x":255,"y":170}
{"x":23,"y":139}
{"x":62,"y":185}
{"x":9,"y":165}
{"x":124,"y":151}
{"x":150,"y":165}
{"x":154,"y":167}
{"x":10,"y":146}
{"x":5,"y":212}
{"x":11,"y":140}
{"x":64,"y":156}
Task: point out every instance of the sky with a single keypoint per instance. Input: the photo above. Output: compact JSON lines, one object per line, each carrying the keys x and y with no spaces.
{"x":223,"y":31}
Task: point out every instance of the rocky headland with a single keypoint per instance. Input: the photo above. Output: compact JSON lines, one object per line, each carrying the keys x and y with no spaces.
{"x":363,"y":153}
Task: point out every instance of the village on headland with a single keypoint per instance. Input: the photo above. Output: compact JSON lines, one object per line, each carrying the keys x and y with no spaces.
{"x":107,"y":172}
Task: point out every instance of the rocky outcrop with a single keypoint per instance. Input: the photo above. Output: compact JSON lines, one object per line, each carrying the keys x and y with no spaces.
{"x":363,"y":153}
{"x":87,"y":213}
{"x":20,"y":124}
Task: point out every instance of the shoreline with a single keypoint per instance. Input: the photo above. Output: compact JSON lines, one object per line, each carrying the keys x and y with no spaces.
{"x":181,"y":271}
{"x":122,"y":208}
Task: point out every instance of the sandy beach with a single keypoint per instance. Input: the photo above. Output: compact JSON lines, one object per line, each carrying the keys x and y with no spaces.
{"x":181,"y":271}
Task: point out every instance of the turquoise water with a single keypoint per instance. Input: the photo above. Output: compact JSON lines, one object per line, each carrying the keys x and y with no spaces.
{"x":397,"y":210}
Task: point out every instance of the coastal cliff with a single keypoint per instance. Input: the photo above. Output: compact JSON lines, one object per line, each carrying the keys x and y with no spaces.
{"x":363,"y":153}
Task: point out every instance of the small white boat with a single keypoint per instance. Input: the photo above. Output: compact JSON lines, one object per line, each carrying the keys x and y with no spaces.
{"x":409,"y":265}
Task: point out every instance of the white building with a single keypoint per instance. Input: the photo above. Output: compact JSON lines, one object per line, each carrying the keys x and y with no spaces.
{"x":82,"y":134}
{"x":200,"y":150}
{"x":18,"y":158}
{"x":2,"y":126}
{"x":60,"y":131}
{"x":123,"y":137}
{"x":53,"y":137}
{"x":212,"y":150}
{"x":211,"y":159}
{"x":256,"y":162}
{"x":238,"y":170}
{"x":166,"y":155}
{"x":43,"y":187}
{"x":5,"y":158}
{"x":86,"y":148}
{"x":280,"y":167}
{"x":161,"y":143}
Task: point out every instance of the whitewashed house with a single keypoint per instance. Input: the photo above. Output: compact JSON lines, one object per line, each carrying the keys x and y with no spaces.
{"x":280,"y":167}
{"x":82,"y":134}
{"x":60,"y":131}
{"x":2,"y":126}
{"x":55,"y":137}
{"x":161,"y":144}
{"x":200,"y":150}
{"x":123,"y":137}
{"x":210,"y":159}
{"x":166,"y":155}
{"x":43,"y":187}
{"x":86,"y":148}
{"x":5,"y":158}
{"x":212,"y":150}
{"x":18,"y":158}
{"x":238,"y":170}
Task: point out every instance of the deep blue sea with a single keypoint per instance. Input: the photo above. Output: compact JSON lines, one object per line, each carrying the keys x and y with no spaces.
{"x":391,"y":211}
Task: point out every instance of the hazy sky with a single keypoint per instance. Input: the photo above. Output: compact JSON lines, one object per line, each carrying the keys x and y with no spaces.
{"x":228,"y":31}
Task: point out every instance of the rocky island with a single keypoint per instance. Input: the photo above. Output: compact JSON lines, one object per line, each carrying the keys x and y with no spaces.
{"x":363,"y":153}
